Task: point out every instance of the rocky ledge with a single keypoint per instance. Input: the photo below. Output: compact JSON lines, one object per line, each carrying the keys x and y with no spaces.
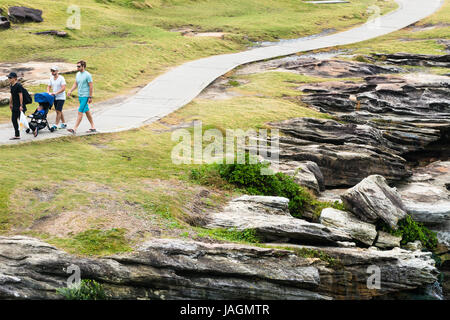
{"x":377,"y":124}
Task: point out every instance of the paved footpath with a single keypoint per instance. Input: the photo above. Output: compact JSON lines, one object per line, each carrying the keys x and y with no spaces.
{"x":182,"y":84}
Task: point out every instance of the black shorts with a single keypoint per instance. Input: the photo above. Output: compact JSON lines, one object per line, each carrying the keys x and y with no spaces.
{"x":59,"y":104}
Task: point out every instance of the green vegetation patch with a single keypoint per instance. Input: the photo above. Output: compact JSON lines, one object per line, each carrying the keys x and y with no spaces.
{"x":232,"y":235}
{"x":95,"y":242}
{"x":411,"y":231}
{"x":87,"y":290}
{"x":314,"y":253}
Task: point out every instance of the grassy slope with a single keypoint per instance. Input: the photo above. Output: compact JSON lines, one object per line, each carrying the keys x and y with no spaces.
{"x":126,"y":47}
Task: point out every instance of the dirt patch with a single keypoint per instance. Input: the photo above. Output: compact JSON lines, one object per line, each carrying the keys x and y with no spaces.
{"x":115,"y":215}
{"x":44,"y":195}
{"x":189,"y":32}
{"x":221,"y":89}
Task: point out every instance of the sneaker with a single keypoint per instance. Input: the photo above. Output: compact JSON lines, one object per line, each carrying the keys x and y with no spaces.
{"x":63,"y":126}
{"x":54,"y":127}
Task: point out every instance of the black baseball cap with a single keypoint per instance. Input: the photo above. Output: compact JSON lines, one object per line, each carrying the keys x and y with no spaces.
{"x":12,"y":75}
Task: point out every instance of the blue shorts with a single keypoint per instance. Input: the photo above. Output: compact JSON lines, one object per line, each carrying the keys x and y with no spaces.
{"x":83,"y":104}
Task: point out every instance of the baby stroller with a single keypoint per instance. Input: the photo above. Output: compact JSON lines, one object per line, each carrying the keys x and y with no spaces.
{"x":39,"y":117}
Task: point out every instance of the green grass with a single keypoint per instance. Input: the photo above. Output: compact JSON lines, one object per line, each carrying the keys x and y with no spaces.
{"x":248,"y":236}
{"x":126,"y":47}
{"x":94,"y":242}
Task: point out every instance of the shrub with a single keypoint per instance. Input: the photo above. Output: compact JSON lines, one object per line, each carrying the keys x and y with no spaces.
{"x":248,"y":177}
{"x":87,"y":290}
{"x":411,"y":231}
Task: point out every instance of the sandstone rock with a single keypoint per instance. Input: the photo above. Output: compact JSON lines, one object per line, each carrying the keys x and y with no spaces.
{"x":387,"y":241}
{"x":23,"y":14}
{"x":425,"y":193}
{"x":305,"y":173}
{"x":33,"y":73}
{"x":427,"y":198}
{"x":373,"y":199}
{"x":414,"y":246}
{"x":401,"y":270}
{"x":160,"y":269}
{"x":4,"y":23}
{"x":345,"y":165}
{"x":409,"y":112}
{"x":342,"y":220}
{"x":179,"y":269}
{"x":4,"y":99}
{"x":4,"y":83}
{"x":334,"y":68}
{"x":249,"y":212}
{"x":412,"y":59}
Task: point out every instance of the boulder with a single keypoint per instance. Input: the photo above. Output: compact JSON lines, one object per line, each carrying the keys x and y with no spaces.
{"x":305,"y":173}
{"x":372,"y":199}
{"x":160,"y":269}
{"x":264,"y":215}
{"x":425,"y":193}
{"x":414,"y":246}
{"x":4,"y":98}
{"x":345,"y":165}
{"x":387,"y":241}
{"x":24,"y":14}
{"x":342,"y":220}
{"x":4,"y":23}
{"x":4,"y":82}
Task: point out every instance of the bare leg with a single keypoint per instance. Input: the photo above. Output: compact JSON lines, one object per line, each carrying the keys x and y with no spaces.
{"x":62,"y":117}
{"x":58,"y":117}
{"x":80,"y":116}
{"x":89,"y":116}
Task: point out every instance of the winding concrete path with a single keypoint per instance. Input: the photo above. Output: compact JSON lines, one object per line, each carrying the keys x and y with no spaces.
{"x":182,"y":84}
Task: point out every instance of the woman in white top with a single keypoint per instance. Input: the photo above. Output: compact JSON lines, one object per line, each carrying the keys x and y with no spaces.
{"x":58,"y":85}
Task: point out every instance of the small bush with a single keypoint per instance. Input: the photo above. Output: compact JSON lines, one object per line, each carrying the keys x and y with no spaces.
{"x":248,"y":177}
{"x":411,"y":231}
{"x":208,"y":175}
{"x":360,"y":58}
{"x":233,"y":83}
{"x":87,"y":290}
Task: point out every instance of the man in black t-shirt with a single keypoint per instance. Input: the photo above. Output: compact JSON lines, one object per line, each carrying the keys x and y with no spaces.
{"x":15,"y":103}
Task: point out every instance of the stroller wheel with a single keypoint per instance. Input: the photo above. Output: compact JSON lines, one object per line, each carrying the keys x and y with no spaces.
{"x":52,"y":129}
{"x":27,"y":131}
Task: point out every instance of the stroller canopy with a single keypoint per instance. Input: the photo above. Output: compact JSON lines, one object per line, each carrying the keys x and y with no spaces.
{"x":44,"y":97}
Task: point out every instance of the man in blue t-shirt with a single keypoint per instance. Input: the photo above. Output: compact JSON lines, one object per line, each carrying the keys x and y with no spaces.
{"x":85,"y":87}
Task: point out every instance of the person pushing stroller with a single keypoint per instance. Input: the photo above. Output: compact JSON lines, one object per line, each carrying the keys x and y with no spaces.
{"x":39,"y":117}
